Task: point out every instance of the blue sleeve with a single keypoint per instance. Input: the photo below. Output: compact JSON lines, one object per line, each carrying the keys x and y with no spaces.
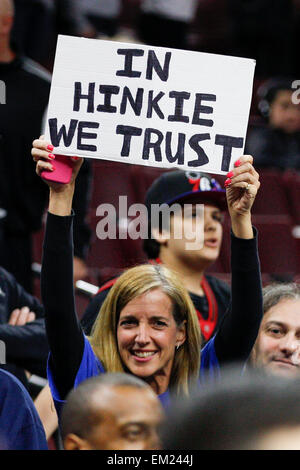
{"x":20,"y":424}
{"x":209,"y":365}
{"x":90,"y":366}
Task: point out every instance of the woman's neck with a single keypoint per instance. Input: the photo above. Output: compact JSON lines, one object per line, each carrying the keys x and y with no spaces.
{"x":161,"y":380}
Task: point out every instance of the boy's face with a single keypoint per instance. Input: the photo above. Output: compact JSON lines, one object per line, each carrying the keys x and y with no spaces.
{"x":284,"y":114}
{"x":210,"y":242}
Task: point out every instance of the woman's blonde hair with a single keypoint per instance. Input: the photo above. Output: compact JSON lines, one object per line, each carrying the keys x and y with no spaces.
{"x":131,"y":284}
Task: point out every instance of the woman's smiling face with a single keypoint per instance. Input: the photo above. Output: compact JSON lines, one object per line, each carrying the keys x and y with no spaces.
{"x":147,"y":336}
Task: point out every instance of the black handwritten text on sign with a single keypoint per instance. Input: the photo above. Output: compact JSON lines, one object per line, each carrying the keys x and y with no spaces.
{"x":169,"y":146}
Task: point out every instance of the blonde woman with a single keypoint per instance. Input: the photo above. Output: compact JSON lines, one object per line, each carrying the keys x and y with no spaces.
{"x":147,"y":325}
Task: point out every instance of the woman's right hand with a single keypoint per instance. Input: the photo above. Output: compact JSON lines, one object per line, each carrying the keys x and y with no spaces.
{"x":61,"y":195}
{"x":42,"y":154}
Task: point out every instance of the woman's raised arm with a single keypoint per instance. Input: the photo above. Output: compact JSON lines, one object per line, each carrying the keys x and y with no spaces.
{"x":65,"y":337}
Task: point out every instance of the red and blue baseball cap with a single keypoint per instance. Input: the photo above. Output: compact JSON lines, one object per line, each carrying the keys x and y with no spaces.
{"x":186,"y":186}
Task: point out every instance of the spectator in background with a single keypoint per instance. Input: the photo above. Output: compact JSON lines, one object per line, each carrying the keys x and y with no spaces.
{"x":33,"y":28}
{"x":22,"y":329}
{"x":38,"y":22}
{"x":103,"y":15}
{"x":210,"y":295}
{"x":276,"y":145}
{"x":20,"y":426}
{"x":111,"y":412}
{"x":249,"y":413}
{"x":165,"y":23}
{"x":277,"y":348}
{"x":23,"y":197}
{"x":70,"y":19}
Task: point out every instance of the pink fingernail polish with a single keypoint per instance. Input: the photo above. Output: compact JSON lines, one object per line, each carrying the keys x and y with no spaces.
{"x":237,"y":163}
{"x":50,"y":147}
{"x":75,"y":158}
{"x":230,"y":174}
{"x":50,"y":155}
{"x":227,"y":182}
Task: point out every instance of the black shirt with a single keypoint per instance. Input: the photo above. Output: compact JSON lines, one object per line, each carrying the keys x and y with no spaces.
{"x":26,"y":346}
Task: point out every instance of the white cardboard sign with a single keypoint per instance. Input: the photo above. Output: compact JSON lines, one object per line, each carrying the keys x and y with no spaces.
{"x":149,"y":106}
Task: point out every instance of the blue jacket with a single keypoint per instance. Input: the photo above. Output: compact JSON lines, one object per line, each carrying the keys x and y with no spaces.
{"x":20,"y":425}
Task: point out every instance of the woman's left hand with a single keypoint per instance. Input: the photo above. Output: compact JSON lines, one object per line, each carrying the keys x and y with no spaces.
{"x":241,"y":186}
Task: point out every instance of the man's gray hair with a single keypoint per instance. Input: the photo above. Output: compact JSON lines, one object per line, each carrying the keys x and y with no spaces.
{"x":274,"y":293}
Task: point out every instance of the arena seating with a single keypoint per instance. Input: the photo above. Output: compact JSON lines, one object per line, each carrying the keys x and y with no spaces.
{"x":276,"y":214}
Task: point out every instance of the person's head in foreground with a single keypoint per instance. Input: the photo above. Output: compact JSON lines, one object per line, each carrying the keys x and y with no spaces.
{"x":238,"y":413}
{"x":191,"y":249}
{"x":111,"y":412}
{"x":279,"y":106}
{"x":277,"y":348}
{"x":148,"y":326}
